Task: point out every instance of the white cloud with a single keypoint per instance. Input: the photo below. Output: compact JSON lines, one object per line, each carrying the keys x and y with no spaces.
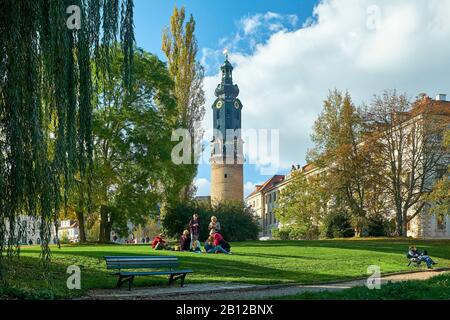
{"x":250,"y":24}
{"x":285,"y":78}
{"x":203,"y":186}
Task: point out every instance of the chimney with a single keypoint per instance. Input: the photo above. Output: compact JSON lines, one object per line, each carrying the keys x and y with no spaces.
{"x":441,"y":97}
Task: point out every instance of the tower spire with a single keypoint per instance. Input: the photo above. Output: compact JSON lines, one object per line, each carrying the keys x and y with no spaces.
{"x":225,"y":52}
{"x":226,"y":146}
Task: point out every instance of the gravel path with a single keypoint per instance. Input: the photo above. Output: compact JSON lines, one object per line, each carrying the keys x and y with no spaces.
{"x":233,"y":291}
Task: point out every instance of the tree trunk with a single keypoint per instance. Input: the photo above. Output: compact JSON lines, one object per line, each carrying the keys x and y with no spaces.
{"x":405,"y":226}
{"x":358,"y":232}
{"x":102,"y":237}
{"x":81,"y":226}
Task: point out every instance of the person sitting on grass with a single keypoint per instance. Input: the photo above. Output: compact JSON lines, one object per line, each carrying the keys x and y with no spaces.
{"x":211,"y":248}
{"x":220,"y":241}
{"x":185,"y":241}
{"x":159,"y":243}
{"x":196,"y":247}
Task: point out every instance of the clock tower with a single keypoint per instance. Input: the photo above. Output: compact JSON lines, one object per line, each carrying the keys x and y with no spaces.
{"x":226,"y":146}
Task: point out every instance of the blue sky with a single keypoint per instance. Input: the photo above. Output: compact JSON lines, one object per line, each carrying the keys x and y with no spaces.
{"x":215,"y":21}
{"x":288,"y":54}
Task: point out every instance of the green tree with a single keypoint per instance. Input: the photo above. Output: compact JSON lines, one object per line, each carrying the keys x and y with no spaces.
{"x":45,"y":104}
{"x":180,"y":47}
{"x":343,"y":151}
{"x":132,"y":144}
{"x":303,"y":202}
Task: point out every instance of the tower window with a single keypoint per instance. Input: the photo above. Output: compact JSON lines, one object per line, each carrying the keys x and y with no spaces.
{"x":226,"y":175}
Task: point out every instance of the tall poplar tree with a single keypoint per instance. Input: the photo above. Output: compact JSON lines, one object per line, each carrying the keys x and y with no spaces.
{"x":180,"y":47}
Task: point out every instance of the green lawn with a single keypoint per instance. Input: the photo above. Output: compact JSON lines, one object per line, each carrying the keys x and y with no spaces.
{"x":436,"y":288}
{"x":259,"y":262}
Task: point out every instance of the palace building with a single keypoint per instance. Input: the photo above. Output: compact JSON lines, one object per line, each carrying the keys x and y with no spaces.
{"x":226,"y":146}
{"x":425,"y":225}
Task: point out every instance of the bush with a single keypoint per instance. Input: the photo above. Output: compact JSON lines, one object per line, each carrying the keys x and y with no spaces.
{"x":377,"y":226}
{"x":237,"y":222}
{"x":280,"y":234}
{"x":338,"y":225}
{"x":296,"y":232}
{"x":64,"y":239}
{"x":7,"y":292}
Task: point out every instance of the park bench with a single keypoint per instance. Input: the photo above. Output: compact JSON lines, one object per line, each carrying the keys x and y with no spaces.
{"x":415,"y":261}
{"x":134,"y":266}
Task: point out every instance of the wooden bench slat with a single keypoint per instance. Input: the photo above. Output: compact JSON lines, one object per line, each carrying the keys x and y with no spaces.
{"x":155,"y":273}
{"x":139,"y":267}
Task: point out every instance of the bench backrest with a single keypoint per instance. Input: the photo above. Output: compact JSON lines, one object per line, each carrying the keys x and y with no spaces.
{"x":140,"y":262}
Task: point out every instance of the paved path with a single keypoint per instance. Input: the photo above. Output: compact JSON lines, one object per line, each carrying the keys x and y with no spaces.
{"x":233,"y":291}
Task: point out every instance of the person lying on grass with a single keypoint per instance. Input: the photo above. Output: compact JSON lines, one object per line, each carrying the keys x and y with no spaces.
{"x":211,"y":248}
{"x":159,"y":243}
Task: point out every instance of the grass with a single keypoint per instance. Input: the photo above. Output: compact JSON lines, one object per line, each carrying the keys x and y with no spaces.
{"x":436,"y":288}
{"x":258,"y":262}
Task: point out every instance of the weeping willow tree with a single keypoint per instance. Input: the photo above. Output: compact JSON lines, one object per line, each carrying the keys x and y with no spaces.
{"x":46,"y":88}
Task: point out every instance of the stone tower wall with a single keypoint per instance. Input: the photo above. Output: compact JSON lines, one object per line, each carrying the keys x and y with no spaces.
{"x":226,"y":182}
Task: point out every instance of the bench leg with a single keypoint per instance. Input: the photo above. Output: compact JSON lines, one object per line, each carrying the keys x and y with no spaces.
{"x":182,"y":279}
{"x":174,"y":278}
{"x":171,"y":279}
{"x":130,"y":282}
{"x":119,"y":282}
{"x":123,"y":279}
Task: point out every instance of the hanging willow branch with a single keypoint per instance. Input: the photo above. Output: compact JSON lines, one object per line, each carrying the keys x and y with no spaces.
{"x":46,"y":89}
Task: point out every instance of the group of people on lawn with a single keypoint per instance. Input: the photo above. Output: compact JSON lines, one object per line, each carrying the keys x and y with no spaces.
{"x":189,"y":240}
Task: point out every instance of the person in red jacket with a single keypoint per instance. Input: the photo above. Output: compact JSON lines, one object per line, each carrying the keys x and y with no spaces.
{"x":220,"y":241}
{"x":159,"y":243}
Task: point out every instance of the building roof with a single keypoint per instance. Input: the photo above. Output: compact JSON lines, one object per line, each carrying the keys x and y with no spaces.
{"x":73,"y":224}
{"x":276,"y":179}
{"x":430,"y":106}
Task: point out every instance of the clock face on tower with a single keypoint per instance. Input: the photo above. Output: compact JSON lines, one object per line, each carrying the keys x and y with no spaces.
{"x":236,"y":104}
{"x":219,"y":104}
